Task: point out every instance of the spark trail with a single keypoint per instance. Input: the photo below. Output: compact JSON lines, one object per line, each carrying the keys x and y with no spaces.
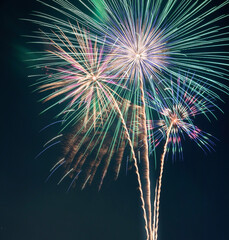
{"x":145,"y":162}
{"x":158,"y":188}
{"x":148,"y":209}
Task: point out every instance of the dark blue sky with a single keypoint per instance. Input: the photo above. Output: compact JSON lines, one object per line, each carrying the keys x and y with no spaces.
{"x":195,"y":196}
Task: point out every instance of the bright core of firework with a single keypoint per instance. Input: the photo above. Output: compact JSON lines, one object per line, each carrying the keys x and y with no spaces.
{"x":177,"y":114}
{"x":82,"y":77}
{"x":137,"y":50}
{"x":174,"y":120}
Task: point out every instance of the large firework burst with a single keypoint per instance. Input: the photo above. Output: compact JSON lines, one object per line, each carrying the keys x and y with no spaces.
{"x":157,"y":38}
{"x":133,"y":44}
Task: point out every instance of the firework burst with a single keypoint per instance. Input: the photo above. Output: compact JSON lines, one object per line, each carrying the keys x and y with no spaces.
{"x":176,"y":120}
{"x":178,"y":110}
{"x":156,"y":38}
{"x":132,"y":47}
{"x":80,"y":72}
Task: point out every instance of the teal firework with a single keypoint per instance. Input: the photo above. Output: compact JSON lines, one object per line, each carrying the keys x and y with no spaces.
{"x":154,"y":38}
{"x":177,"y":113}
{"x":78,"y":77}
{"x":114,"y":63}
{"x":176,"y":121}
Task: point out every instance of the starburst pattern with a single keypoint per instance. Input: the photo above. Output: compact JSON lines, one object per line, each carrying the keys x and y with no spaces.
{"x":81,"y":79}
{"x":127,"y":58}
{"x":84,"y":77}
{"x":176,"y":119}
{"x":157,"y":38}
{"x":178,"y":110}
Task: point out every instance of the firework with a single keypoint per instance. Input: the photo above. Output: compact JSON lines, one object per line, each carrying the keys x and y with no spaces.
{"x":86,"y":163}
{"x":155,"y":38}
{"x":177,"y":113}
{"x":144,"y":42}
{"x":77,"y":73}
{"x":84,"y":78}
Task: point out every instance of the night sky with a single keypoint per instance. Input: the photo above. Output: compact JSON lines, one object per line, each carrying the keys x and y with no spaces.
{"x":195,"y":195}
